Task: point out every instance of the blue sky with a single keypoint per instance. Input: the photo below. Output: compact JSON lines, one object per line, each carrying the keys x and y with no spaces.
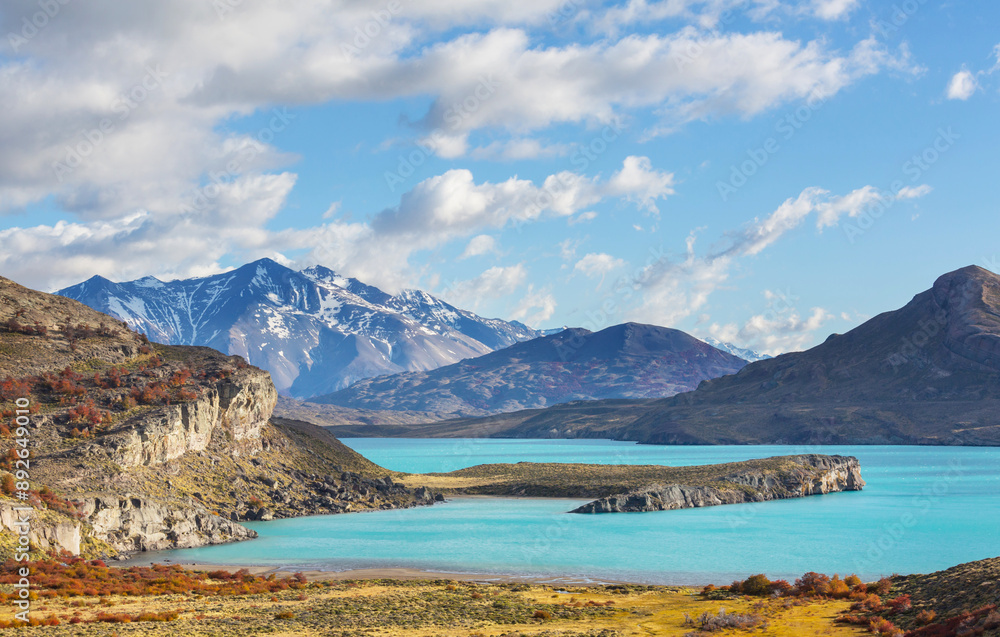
{"x":760,"y":171}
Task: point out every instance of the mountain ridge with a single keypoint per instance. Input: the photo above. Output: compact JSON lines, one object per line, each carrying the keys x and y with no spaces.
{"x":630,"y":360}
{"x":926,"y":373}
{"x":314,"y":330}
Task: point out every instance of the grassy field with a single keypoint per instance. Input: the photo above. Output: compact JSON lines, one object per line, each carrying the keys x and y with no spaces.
{"x":440,"y":608}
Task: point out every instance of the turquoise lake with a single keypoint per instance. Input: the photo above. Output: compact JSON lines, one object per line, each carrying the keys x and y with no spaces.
{"x":924,"y":509}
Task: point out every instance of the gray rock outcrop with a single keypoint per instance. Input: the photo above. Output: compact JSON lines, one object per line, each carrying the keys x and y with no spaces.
{"x":131,"y":524}
{"x":810,"y":474}
{"x":235,"y":409}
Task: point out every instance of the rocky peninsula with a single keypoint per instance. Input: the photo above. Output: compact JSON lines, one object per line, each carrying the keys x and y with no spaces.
{"x":800,"y":476}
{"x":633,"y":488}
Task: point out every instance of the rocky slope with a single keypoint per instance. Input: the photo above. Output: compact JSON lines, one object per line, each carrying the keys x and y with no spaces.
{"x":136,"y":446}
{"x":803,"y":475}
{"x":622,"y":361}
{"x":315,"y":331}
{"x":963,"y":599}
{"x":927,"y":373}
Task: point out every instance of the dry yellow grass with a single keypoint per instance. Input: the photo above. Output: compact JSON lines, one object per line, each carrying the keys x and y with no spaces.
{"x":442,"y":608}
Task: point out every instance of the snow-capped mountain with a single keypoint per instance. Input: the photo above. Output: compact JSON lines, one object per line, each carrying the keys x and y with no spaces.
{"x":746,"y":354}
{"x":314,"y":330}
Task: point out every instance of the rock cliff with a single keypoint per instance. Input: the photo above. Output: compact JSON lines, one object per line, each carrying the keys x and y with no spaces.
{"x":234,"y":410}
{"x":137,"y":523}
{"x":137,"y":446}
{"x":808,"y":475}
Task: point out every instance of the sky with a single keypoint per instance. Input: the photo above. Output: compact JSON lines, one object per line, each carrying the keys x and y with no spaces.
{"x":763,"y":172}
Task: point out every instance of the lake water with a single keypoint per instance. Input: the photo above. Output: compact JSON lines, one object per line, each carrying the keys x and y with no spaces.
{"x":924,"y":509}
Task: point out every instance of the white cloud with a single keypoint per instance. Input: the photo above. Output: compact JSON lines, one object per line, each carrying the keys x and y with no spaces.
{"x":638,"y":182}
{"x":598,"y":264}
{"x":583,"y":217}
{"x":141,"y":243}
{"x":773,"y":332}
{"x":834,"y":9}
{"x":479,"y":245}
{"x":671,"y":290}
{"x":452,"y":205}
{"x":962,"y":85}
{"x":516,"y":149}
{"x":704,"y":13}
{"x":913,"y":192}
{"x":491,"y":284}
{"x":534,"y":308}
{"x":332,"y":210}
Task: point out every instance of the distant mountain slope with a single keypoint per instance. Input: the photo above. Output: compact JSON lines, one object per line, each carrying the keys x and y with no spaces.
{"x":314,"y":330}
{"x":928,"y":373}
{"x":748,"y":355}
{"x":623,"y":361}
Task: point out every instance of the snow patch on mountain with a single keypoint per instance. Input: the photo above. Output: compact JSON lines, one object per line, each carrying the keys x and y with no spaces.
{"x":316,"y":331}
{"x":744,"y":353}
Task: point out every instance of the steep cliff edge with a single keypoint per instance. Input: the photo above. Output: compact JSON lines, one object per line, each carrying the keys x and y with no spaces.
{"x":800,"y":476}
{"x":136,"y":446}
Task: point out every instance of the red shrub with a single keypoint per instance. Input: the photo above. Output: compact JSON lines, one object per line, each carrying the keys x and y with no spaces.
{"x":883,"y":627}
{"x":812,"y":584}
{"x":900,"y":604}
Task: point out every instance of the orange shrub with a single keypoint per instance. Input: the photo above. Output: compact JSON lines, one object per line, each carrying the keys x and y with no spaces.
{"x":925,"y":617}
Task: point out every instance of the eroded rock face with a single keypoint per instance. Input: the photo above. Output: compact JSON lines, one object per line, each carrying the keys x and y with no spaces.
{"x":133,"y":523}
{"x":811,"y":474}
{"x":45,"y":534}
{"x":234,"y":411}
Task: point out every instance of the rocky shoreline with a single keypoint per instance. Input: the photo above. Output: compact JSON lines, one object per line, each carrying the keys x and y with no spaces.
{"x":816,"y":475}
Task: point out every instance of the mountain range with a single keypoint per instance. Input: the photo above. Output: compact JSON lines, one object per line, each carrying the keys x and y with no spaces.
{"x":623,"y":361}
{"x":746,"y":354}
{"x":314,"y":330}
{"x":927,"y":373}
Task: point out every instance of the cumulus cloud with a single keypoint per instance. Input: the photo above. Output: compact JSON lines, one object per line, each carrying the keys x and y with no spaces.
{"x":962,"y":85}
{"x":774,"y":332}
{"x":535,"y":307}
{"x":638,"y":182}
{"x":492,"y":284}
{"x":452,"y":205}
{"x":135,"y":99}
{"x":833,"y":9}
{"x":479,"y":245}
{"x":598,"y":264}
{"x":141,"y":243}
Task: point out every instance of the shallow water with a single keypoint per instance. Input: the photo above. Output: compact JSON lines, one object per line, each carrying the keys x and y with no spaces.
{"x":925,"y":508}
